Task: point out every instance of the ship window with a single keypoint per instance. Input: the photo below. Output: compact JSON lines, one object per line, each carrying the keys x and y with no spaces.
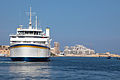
{"x":36,"y":37}
{"x":27,"y":41}
{"x":15,"y":41}
{"x":39,"y":42}
{"x":30,"y":32}
{"x":13,"y":36}
{"x":29,"y":37}
{"x":21,"y":32}
{"x":21,"y":37}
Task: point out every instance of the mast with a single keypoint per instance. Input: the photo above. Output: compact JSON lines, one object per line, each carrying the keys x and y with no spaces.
{"x":36,"y":22}
{"x":30,"y":23}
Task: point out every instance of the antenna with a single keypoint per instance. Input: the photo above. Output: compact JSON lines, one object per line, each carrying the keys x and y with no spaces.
{"x":36,"y":22}
{"x":30,"y":23}
{"x":21,"y":26}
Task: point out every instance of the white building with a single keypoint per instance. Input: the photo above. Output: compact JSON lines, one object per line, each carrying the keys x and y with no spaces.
{"x":78,"y":49}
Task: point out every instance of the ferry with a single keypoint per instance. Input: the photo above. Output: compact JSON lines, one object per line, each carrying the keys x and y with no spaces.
{"x":30,"y":44}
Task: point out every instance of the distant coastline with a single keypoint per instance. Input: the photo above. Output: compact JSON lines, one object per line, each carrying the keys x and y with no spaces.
{"x":72,"y":55}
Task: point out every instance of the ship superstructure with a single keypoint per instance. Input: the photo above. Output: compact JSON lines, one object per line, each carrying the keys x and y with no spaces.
{"x":31,"y":44}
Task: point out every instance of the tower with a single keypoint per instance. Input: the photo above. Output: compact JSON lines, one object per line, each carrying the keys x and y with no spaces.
{"x":57,"y":47}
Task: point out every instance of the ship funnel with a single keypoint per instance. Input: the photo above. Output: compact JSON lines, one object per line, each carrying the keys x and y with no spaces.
{"x":47,"y":31}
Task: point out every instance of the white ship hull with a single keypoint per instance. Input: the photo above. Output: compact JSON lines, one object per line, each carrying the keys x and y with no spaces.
{"x":29,"y":52}
{"x":30,"y":44}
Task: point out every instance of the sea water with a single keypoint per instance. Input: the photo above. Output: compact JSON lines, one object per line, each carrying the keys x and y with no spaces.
{"x":61,"y":68}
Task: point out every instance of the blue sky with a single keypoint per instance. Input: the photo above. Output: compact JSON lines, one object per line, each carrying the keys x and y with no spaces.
{"x":93,"y":23}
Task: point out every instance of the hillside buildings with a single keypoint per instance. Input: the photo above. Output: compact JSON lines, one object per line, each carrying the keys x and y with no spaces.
{"x":4,"y":50}
{"x":78,"y":50}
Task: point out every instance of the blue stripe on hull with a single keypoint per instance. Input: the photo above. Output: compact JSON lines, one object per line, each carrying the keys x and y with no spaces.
{"x":30,"y":59}
{"x":29,"y":45}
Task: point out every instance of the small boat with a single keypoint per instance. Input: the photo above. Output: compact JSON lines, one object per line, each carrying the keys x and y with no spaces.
{"x":109,"y":57}
{"x":118,"y":58}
